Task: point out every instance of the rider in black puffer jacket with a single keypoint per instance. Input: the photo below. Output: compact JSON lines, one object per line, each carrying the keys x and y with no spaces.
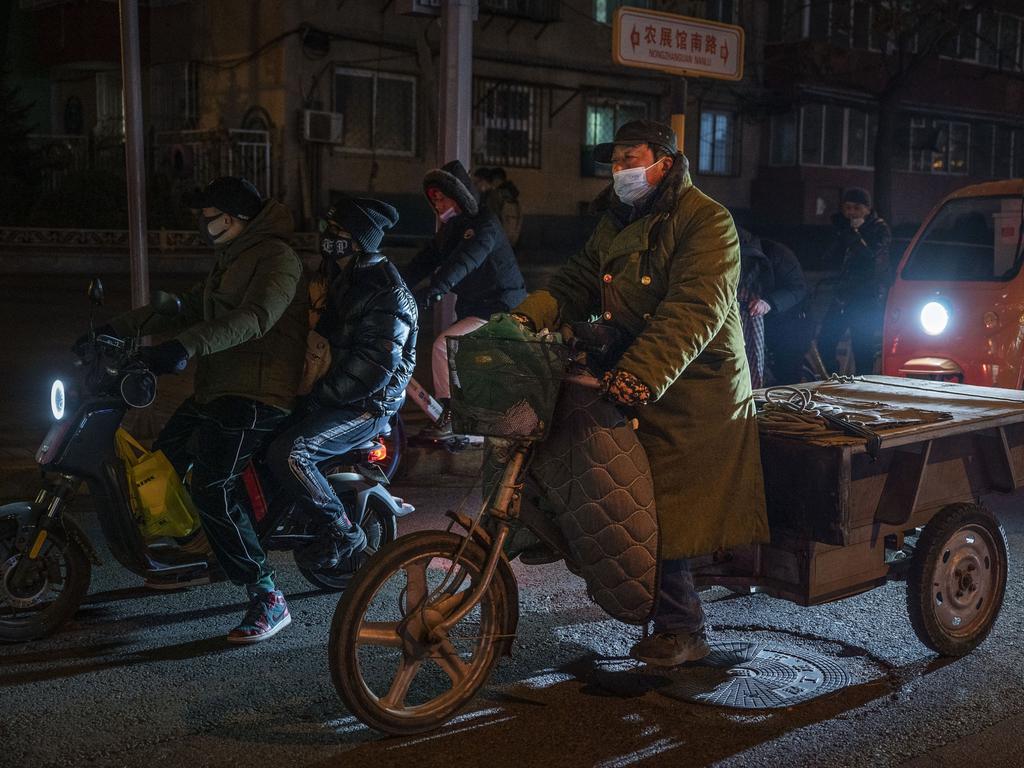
{"x":370,"y":322}
{"x":471,"y":256}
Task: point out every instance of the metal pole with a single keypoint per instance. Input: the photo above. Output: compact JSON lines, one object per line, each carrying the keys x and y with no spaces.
{"x":455,"y":113}
{"x":679,"y":111}
{"x":134,"y":154}
{"x":453,"y":139}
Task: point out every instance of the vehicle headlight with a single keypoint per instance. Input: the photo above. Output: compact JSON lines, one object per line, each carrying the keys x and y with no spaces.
{"x":934,"y":318}
{"x":57,"y":400}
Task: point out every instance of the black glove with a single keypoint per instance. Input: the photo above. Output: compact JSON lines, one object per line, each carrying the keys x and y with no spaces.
{"x":169,"y":357}
{"x":428,"y":296}
{"x":86,"y":338}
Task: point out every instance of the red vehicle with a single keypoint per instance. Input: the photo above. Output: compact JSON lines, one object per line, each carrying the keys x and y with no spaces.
{"x":956,"y":310}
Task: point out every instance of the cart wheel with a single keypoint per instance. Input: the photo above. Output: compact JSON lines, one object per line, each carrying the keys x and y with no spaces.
{"x":957,"y":579}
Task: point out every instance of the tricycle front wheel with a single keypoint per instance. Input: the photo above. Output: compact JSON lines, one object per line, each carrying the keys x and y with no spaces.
{"x":390,"y":663}
{"x":957,"y":579}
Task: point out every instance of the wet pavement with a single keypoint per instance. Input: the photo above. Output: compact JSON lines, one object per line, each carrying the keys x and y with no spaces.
{"x":142,"y":679}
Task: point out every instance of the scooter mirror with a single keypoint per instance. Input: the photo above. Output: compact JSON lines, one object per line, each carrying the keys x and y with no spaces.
{"x":166,"y":304}
{"x":96,"y":292}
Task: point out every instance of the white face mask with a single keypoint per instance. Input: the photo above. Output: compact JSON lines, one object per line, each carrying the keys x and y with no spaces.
{"x":631,"y":185}
{"x":448,"y":215}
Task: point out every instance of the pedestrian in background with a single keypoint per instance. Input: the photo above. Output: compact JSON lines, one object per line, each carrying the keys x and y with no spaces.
{"x":772,"y":293}
{"x":501,"y":197}
{"x":755,"y":274}
{"x":861,"y":246}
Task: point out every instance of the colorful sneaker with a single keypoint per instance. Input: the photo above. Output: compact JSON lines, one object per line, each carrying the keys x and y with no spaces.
{"x":670,"y":649}
{"x":266,"y":616}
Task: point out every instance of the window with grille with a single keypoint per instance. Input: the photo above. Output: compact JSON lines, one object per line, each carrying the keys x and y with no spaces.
{"x":718,"y":142}
{"x":720,"y":10}
{"x":604,"y":10}
{"x":379,"y":111}
{"x":783,"y":139}
{"x":604,"y":117}
{"x":507,"y":123}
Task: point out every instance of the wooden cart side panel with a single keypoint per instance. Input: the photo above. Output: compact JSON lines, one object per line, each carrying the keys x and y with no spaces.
{"x":1015,"y":443}
{"x":810,"y":572}
{"x":807,"y":488}
{"x":896,"y":488}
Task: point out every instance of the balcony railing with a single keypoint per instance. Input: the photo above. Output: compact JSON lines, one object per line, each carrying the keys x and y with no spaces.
{"x":203,"y":155}
{"x":543,"y":11}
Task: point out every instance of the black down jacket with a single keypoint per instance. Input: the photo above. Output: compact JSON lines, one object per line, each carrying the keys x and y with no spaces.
{"x":370,"y":321}
{"x":471,"y":255}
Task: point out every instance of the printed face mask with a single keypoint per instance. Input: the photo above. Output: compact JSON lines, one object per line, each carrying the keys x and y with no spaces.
{"x":335,"y":246}
{"x":204,"y":229}
{"x":631,"y":185}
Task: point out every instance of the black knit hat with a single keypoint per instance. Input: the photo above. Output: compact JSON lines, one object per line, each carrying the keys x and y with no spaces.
{"x":364,"y":218}
{"x":230,"y":194}
{"x":454,"y":182}
{"x":857,"y":195}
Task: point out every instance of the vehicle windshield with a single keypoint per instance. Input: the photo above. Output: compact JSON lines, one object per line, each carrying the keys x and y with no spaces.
{"x":973,"y":238}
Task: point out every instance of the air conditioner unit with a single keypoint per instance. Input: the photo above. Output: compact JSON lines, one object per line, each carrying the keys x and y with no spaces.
{"x":325,"y":127}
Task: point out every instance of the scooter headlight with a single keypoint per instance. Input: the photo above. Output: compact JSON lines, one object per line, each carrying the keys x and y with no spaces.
{"x":57,"y":399}
{"x":934,"y":318}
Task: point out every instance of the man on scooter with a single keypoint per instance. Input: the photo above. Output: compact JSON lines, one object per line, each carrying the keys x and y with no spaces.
{"x":662,"y":268}
{"x":246,"y":324}
{"x":370,"y":323}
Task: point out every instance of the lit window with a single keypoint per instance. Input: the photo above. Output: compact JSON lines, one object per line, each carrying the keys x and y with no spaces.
{"x":717,"y":143}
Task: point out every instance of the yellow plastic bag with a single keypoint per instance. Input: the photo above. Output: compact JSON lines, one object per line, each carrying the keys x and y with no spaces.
{"x":161,"y":503}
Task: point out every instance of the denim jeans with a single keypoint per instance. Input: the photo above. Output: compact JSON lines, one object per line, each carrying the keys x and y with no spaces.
{"x":320,"y":434}
{"x":679,"y":608}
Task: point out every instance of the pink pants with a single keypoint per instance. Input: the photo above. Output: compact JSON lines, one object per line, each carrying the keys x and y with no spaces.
{"x":439,"y":354}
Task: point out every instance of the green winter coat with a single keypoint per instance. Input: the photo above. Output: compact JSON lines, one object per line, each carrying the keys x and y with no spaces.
{"x":669,"y":280}
{"x":247,"y":321}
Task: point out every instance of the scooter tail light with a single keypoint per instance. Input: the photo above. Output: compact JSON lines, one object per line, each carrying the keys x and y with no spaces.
{"x":378,"y":454}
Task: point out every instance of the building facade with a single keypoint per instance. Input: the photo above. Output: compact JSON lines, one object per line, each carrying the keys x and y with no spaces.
{"x":314,"y":97}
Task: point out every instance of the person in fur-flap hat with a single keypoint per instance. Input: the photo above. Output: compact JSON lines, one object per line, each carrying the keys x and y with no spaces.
{"x":471,"y":256}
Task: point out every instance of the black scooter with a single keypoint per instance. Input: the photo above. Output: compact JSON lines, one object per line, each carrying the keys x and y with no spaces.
{"x":45,"y":557}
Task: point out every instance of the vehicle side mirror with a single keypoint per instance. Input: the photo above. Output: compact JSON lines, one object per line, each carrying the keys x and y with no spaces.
{"x":165,"y":304}
{"x":96,"y":292}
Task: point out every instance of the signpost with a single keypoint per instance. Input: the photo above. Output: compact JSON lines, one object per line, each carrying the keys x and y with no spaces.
{"x":679,"y":45}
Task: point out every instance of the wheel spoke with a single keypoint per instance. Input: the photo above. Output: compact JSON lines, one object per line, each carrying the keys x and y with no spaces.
{"x":415,"y":585}
{"x":380,"y":633}
{"x":449,"y":660}
{"x":395,"y":697}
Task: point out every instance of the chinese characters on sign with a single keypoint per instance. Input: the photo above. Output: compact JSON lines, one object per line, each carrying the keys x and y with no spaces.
{"x":677,"y":44}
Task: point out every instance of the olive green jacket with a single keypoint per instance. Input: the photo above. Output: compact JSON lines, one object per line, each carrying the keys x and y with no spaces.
{"x":247,"y":321}
{"x":668,"y":278}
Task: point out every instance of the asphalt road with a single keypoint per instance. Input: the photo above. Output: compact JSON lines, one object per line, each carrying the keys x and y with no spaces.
{"x":143,"y":679}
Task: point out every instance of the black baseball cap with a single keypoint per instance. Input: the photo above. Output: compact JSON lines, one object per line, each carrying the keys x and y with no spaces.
{"x":636,"y":132}
{"x":230,"y":194}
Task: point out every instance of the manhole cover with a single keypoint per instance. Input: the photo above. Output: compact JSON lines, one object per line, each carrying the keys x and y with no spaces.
{"x":756,"y":676}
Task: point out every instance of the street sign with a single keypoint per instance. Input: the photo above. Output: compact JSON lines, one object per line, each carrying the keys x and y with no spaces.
{"x":678,"y":45}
